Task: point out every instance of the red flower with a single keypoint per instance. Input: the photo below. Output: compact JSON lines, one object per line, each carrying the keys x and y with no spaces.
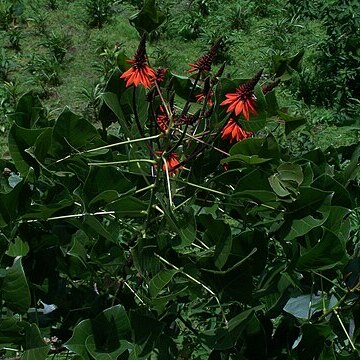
{"x":243,"y":99}
{"x":201,"y":97}
{"x":140,"y":72}
{"x":233,"y":131}
{"x":172,"y":163}
{"x":160,"y":75}
{"x":162,"y":120}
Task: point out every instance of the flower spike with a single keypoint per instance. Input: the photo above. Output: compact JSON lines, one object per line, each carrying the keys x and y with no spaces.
{"x":140,"y":72}
{"x":205,"y":61}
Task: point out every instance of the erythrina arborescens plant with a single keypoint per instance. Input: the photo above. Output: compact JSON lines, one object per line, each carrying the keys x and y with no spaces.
{"x":186,"y":233}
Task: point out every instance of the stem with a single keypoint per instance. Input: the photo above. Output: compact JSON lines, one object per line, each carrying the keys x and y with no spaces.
{"x":200,"y":187}
{"x":109,"y":146}
{"x":345,"y":331}
{"x":122,"y":162}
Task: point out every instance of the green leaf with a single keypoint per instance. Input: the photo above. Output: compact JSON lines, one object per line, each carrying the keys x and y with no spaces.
{"x":112,"y":101}
{"x":35,"y":346}
{"x":284,"y":67}
{"x":128,"y":207}
{"x":291,"y":122}
{"x":341,"y":196}
{"x":27,"y":111}
{"x":223,"y":241}
{"x":66,"y":132}
{"x":21,"y":139}
{"x":9,"y":204}
{"x":101,"y":355}
{"x":11,"y":330}
{"x":76,"y":343}
{"x":16,"y":293}
{"x":101,"y":179}
{"x":222,"y":339}
{"x":303,"y":306}
{"x":17,"y":248}
{"x":328,"y":253}
{"x":159,"y":281}
{"x":313,"y":339}
{"x":300,"y":227}
{"x":149,"y":18}
{"x":251,"y":160}
{"x":108,"y":328}
{"x":262,"y":148}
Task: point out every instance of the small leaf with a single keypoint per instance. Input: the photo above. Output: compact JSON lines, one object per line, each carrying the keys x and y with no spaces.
{"x":17,"y":248}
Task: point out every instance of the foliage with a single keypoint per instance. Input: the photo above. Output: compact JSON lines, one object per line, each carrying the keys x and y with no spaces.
{"x":336,"y":76}
{"x":58,"y":45}
{"x":153,"y":237}
{"x":98,"y":12}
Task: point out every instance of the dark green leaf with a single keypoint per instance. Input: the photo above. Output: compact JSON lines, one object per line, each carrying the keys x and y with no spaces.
{"x":149,"y":18}
{"x":15,"y":288}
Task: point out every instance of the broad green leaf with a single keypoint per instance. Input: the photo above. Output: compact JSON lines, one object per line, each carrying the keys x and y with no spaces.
{"x":15,"y":288}
{"x":108,"y":329}
{"x":313,"y":339}
{"x":328,"y":253}
{"x":341,"y":195}
{"x":21,"y":139}
{"x":254,"y":124}
{"x":112,"y":101}
{"x":278,"y":186}
{"x":159,"y":281}
{"x":149,"y":18}
{"x":76,"y":343}
{"x":128,"y":207}
{"x":17,"y":248}
{"x":300,"y":227}
{"x":105,"y":178}
{"x":221,"y":338}
{"x":9,"y":204}
{"x":266,"y":148}
{"x":66,"y":132}
{"x":101,"y":355}
{"x":183,"y":224}
{"x":27,"y":111}
{"x":303,"y":306}
{"x":35,"y":346}
{"x":251,"y":160}
{"x":291,"y":122}
{"x":11,"y":330}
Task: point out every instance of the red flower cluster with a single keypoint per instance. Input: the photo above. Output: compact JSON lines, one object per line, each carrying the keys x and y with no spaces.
{"x":242,"y":101}
{"x":162,"y":119}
